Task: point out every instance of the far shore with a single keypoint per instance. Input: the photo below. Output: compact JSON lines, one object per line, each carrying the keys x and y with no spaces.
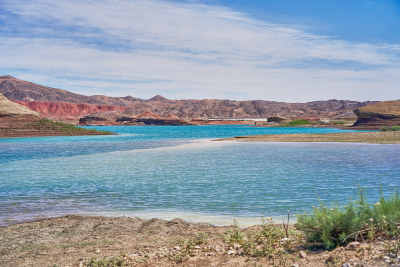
{"x":389,"y":137}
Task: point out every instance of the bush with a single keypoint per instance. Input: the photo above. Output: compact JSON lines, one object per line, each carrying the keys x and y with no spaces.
{"x":395,"y":128}
{"x":332,"y":227}
{"x":296,"y":123}
{"x":384,"y":128}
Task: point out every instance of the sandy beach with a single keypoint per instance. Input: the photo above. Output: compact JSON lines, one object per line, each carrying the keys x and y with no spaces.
{"x":389,"y":137}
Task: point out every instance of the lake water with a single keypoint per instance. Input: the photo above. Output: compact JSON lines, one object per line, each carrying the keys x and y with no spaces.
{"x":177,"y":171}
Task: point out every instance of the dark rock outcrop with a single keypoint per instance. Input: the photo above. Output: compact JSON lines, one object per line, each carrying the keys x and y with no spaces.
{"x":126,"y":118}
{"x":378,"y":114}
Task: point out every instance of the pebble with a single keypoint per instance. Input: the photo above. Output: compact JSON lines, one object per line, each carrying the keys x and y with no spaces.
{"x":294,"y":265}
{"x":353,"y":244}
{"x":97,"y":251}
{"x":231,"y":252}
{"x":386,"y":259}
{"x":346,"y":265}
{"x":392,"y":255}
{"x":197,"y":247}
{"x":302,"y":255}
{"x":210,"y":254}
{"x":236,"y":246}
{"x":178,"y":248}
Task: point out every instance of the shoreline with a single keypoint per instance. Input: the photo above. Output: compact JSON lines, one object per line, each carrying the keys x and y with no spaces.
{"x":390,"y":137}
{"x":75,"y":240}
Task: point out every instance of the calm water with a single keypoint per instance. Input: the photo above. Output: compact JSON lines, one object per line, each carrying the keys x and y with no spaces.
{"x":169,"y":172}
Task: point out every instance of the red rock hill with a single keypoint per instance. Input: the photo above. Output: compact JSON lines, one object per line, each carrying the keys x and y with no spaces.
{"x":65,"y":110}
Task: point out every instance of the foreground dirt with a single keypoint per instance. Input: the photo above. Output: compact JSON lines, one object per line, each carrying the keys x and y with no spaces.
{"x":390,"y":137}
{"x":83,"y":241}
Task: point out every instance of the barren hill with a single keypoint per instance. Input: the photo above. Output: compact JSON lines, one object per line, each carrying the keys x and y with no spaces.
{"x":19,"y":90}
{"x":16,"y":89}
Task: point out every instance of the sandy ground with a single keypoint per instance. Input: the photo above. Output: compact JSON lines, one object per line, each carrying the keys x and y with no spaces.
{"x":389,"y":137}
{"x":82,"y":241}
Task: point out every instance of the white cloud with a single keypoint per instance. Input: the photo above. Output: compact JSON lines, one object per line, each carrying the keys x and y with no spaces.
{"x":189,"y":50}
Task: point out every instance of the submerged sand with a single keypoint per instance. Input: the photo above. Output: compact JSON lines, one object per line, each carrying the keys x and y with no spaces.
{"x":390,"y":137}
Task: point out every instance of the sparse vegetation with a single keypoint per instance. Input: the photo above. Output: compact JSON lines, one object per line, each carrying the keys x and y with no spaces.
{"x":115,"y":261}
{"x":384,"y":128}
{"x":187,"y":248}
{"x":296,"y":123}
{"x":332,"y":227}
{"x":272,"y":241}
{"x":46,"y":124}
{"x":395,"y":128}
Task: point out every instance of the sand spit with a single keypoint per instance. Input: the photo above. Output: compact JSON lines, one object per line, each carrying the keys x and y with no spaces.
{"x":77,"y":241}
{"x":389,"y":137}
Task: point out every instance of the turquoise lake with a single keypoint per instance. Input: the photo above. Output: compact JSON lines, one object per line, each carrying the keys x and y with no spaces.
{"x":177,"y":171}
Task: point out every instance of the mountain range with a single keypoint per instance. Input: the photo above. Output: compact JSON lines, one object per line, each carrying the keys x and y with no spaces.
{"x":64,"y":105}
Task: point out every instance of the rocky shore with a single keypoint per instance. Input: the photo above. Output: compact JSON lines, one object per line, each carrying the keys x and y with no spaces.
{"x":87,"y":241}
{"x":389,"y":137}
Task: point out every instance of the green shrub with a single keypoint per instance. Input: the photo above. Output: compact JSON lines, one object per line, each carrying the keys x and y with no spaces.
{"x":296,"y":123}
{"x":332,"y":227}
{"x":395,"y":128}
{"x":107,"y":262}
{"x":384,"y":128}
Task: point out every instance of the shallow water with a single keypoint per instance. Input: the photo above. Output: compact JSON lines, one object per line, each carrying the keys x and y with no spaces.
{"x":169,"y":172}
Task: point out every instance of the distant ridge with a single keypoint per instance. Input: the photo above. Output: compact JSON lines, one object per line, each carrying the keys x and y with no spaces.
{"x":19,"y":90}
{"x":16,"y":89}
{"x":158,"y":98}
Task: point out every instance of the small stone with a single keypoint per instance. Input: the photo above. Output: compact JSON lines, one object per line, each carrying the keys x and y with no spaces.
{"x":302,"y":255}
{"x":346,"y":265}
{"x":178,"y":248}
{"x":386,"y":259}
{"x":210,"y":254}
{"x":197,"y":247}
{"x":294,"y":265}
{"x":392,"y":255}
{"x":97,"y":251}
{"x":231,"y":252}
{"x":283,"y":240}
{"x":236,"y":246}
{"x":353,"y":244}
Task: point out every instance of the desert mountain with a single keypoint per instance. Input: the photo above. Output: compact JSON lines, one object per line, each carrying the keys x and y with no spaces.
{"x":19,"y":90}
{"x":16,"y":89}
{"x":157,"y":98}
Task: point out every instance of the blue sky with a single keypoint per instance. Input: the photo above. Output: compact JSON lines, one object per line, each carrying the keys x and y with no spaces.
{"x":286,"y":50}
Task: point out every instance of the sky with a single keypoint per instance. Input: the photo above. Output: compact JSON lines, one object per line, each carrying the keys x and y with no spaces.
{"x":279,"y":50}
